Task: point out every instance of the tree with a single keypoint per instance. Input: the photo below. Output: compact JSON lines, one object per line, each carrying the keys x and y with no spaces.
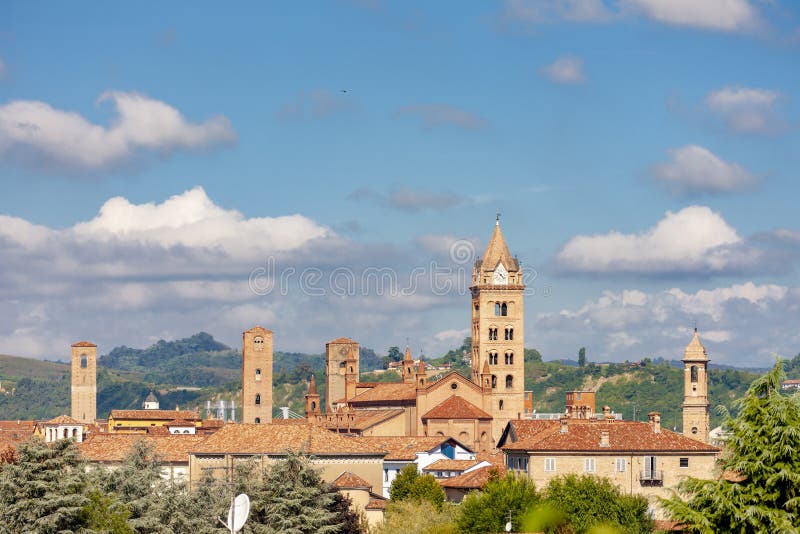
{"x":532,"y":355}
{"x":394,"y":354}
{"x":105,"y":513}
{"x":488,"y":510}
{"x":582,"y":357}
{"x":587,"y":502}
{"x":401,"y":485}
{"x":759,"y":486}
{"x":416,"y":517}
{"x":43,"y":491}
{"x":410,"y":485}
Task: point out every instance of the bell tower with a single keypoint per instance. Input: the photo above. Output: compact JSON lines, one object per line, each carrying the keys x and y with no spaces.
{"x":257,"y":375}
{"x":84,"y":382}
{"x":341,"y":368}
{"x":498,"y":330}
{"x":695,"y":391}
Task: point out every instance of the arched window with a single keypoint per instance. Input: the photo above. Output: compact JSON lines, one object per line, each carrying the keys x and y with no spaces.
{"x":509,"y":381}
{"x":497,"y":308}
{"x":494,"y":381}
{"x":258,"y":398}
{"x":504,"y":309}
{"x":185,"y":431}
{"x":313,"y":406}
{"x":258,"y":343}
{"x":509,"y":334}
{"x":493,"y":358}
{"x":421,"y":382}
{"x":509,"y":358}
{"x":84,"y":361}
{"x":258,"y":375}
{"x":492,"y":334}
{"x":694,"y":373}
{"x":258,"y":420}
{"x":74,"y":432}
{"x":500,"y":404}
{"x":351,"y":368}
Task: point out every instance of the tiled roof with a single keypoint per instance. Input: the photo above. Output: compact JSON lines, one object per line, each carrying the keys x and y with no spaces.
{"x":18,"y":425}
{"x":476,"y":479}
{"x":403,"y":448}
{"x":115,"y":447}
{"x":387,"y":392}
{"x":161,"y":415}
{"x":376,"y":503}
{"x":280,"y":438}
{"x":258,"y":329}
{"x":451,"y":465}
{"x":83,"y":344}
{"x":348,"y":480}
{"x":497,"y":250}
{"x":180,"y":422}
{"x":628,"y":436}
{"x":522,"y":429}
{"x":341,"y":340}
{"x":456,"y":407}
{"x":362,"y":419}
{"x":62,"y":420}
{"x":493,"y":456}
{"x":212,"y":423}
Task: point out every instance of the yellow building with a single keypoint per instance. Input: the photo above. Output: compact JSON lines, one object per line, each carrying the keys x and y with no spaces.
{"x":141,"y":421}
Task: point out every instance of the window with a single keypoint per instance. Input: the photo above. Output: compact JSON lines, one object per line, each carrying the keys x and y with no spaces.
{"x":258,"y":375}
{"x":449,"y":450}
{"x":421,"y":382}
{"x":509,"y":358}
{"x":84,"y":361}
{"x":509,"y":334}
{"x":500,"y":404}
{"x":509,"y":381}
{"x":258,"y":398}
{"x":258,"y":343}
{"x":386,"y":475}
{"x":493,"y":358}
{"x":650,"y":467}
{"x":694,"y":373}
{"x":454,"y":385}
{"x":494,"y":382}
{"x":504,"y":309}
{"x":549,"y":465}
{"x":313,"y":406}
{"x":75,"y":435}
{"x":621,"y":465}
{"x":497,"y":308}
{"x":588,"y":465}
{"x":684,"y":462}
{"x":492,"y":334}
{"x":258,"y":420}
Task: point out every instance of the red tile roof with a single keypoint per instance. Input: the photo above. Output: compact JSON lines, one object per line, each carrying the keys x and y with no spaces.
{"x":348,"y":480}
{"x":493,"y":456}
{"x":456,"y":407}
{"x":62,"y":420}
{"x":584,"y":435}
{"x":376,"y":503}
{"x":113,"y":448}
{"x":451,"y":465}
{"x":476,"y":479}
{"x":180,"y":422}
{"x":386,"y":392}
{"x":361,"y":419}
{"x":404,"y":448}
{"x":18,"y":425}
{"x":83,"y":344}
{"x":280,"y":438}
{"x":341,"y":340}
{"x":159,"y":415}
{"x":258,"y":329}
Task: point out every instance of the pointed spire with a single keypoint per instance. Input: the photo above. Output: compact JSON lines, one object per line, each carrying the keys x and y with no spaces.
{"x":421,"y":367}
{"x":486,"y":367}
{"x":407,"y":356}
{"x":312,"y":386}
{"x":497,"y":251}
{"x":695,"y":349}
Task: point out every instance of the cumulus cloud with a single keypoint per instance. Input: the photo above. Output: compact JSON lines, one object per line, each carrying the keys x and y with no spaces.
{"x":742,"y":324}
{"x":410,"y":200}
{"x":435,"y":116}
{"x":565,"y":69}
{"x":695,"y":169}
{"x":317,"y":104}
{"x":694,"y":240}
{"x":36,"y":134}
{"x":746,"y":110}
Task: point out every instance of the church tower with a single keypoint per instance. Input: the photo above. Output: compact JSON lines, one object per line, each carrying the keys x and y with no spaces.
{"x":312,"y":401}
{"x":257,"y":375}
{"x":341,"y":363}
{"x":408,"y":366}
{"x":695,"y":391}
{"x":84,"y":382}
{"x":498,"y":330}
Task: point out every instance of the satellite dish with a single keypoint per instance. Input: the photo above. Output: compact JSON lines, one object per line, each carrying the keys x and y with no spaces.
{"x":237,"y":515}
{"x":508,"y":526}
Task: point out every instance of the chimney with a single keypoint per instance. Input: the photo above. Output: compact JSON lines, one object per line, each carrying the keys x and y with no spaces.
{"x":655,"y":421}
{"x":607,"y":412}
{"x":564,"y":424}
{"x":604,"y":442}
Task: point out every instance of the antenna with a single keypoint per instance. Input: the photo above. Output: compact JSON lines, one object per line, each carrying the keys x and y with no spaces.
{"x":238,"y":513}
{"x":233,"y":411}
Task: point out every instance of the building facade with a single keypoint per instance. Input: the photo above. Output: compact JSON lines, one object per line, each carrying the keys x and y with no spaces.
{"x":83,"y":393}
{"x":696,"y":418}
{"x":257,"y":358}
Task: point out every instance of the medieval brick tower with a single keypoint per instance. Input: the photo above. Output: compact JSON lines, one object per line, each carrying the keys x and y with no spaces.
{"x":341,"y":366}
{"x":695,"y":391}
{"x":257,"y":375}
{"x":497,"y":330}
{"x":84,"y":382}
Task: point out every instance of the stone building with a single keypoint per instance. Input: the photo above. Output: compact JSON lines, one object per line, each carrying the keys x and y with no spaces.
{"x":257,"y":350}
{"x":696,"y":420}
{"x":83,"y":394}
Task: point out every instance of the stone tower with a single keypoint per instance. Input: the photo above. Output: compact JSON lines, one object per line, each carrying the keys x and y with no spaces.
{"x":408,"y":366}
{"x":340,"y":355}
{"x":312,"y":401}
{"x":257,"y":375}
{"x":498,"y":330}
{"x":695,"y":391}
{"x":84,"y":382}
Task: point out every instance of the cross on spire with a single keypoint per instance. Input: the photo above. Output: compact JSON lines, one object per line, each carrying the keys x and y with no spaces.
{"x":497,"y":219}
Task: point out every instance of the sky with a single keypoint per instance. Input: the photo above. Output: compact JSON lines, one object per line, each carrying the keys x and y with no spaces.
{"x":334,"y":168}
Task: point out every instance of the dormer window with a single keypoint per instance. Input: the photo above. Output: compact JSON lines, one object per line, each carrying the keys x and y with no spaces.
{"x":258,"y":343}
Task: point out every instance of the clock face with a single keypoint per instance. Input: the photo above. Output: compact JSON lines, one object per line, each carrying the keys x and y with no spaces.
{"x":500,"y":275}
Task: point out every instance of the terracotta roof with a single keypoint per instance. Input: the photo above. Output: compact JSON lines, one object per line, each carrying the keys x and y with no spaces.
{"x":280,"y":438}
{"x":180,"y":422}
{"x":404,"y":448}
{"x":521,"y":429}
{"x":362,"y":419}
{"x":497,"y":250}
{"x":157,"y":430}
{"x":387,"y":392}
{"x":341,"y":340}
{"x":451,"y":465}
{"x":18,"y":425}
{"x":62,"y":420}
{"x":258,"y":330}
{"x":161,"y":415}
{"x":376,"y":503}
{"x":114,"y":448}
{"x":456,"y":407}
{"x":348,"y":480}
{"x":493,"y":456}
{"x":83,"y":344}
{"x":312,"y":386}
{"x":476,"y":479}
{"x":629,"y":436}
{"x":212,"y":423}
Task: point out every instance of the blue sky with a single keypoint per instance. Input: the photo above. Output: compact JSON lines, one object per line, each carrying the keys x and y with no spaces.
{"x":642,"y":153}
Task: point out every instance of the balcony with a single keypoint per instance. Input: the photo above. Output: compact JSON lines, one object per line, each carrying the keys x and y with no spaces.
{"x":651,"y":478}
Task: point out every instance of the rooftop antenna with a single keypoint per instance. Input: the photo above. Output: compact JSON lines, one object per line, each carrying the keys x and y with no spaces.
{"x":233,"y":411}
{"x":238,"y":513}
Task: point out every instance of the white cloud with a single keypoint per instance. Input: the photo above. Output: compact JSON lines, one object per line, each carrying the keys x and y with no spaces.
{"x":721,"y":15}
{"x":36,"y":134}
{"x":693,"y":240}
{"x":565,"y":69}
{"x":452,"y":335}
{"x":694,"y":169}
{"x":440,"y":115}
{"x":742,"y":324}
{"x":746,"y":110}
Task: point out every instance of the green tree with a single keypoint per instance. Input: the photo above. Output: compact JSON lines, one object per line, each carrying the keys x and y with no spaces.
{"x":582,"y":357}
{"x":760,"y":487}
{"x":416,"y":517}
{"x":489,"y":510}
{"x":43,"y":491}
{"x":105,"y":513}
{"x":394,"y":354}
{"x":401,"y":485}
{"x":426,"y":488}
{"x":532,"y":355}
{"x":587,"y":502}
